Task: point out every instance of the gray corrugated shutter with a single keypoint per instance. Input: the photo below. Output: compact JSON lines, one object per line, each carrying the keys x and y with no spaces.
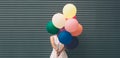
{"x":23,"y":33}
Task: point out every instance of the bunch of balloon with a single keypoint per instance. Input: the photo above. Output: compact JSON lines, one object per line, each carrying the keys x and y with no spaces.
{"x":66,"y":26}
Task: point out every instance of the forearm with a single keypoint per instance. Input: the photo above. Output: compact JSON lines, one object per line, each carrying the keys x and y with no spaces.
{"x":54,"y":46}
{"x":62,"y":49}
{"x":52,"y":43}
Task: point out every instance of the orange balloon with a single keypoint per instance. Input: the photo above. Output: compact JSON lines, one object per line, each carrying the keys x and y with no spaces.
{"x":78,"y":31}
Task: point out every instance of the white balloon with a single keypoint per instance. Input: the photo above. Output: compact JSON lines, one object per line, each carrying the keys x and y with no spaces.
{"x":58,"y":20}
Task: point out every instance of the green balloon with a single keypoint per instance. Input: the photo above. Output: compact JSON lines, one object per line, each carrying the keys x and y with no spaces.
{"x":51,"y":28}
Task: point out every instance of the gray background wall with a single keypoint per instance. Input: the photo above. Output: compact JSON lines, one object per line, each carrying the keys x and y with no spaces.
{"x":23,"y":33}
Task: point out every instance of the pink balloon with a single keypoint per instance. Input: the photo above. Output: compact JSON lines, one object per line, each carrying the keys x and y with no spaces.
{"x":71,"y":25}
{"x":78,"y":31}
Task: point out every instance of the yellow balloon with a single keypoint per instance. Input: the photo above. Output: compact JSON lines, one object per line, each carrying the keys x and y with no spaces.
{"x":69,"y":10}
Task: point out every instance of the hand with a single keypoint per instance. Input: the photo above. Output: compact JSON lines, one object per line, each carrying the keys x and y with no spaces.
{"x":58,"y":53}
{"x":56,"y":49}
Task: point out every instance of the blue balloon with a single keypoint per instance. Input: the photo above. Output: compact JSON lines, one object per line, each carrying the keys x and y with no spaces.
{"x":73,"y":44}
{"x":65,"y":37}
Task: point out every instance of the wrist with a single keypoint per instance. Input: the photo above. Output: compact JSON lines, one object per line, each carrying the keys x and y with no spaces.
{"x":56,"y":49}
{"x":60,"y":51}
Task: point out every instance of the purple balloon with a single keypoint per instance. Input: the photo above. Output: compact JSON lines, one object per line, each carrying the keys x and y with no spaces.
{"x":73,"y":44}
{"x":62,"y":29}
